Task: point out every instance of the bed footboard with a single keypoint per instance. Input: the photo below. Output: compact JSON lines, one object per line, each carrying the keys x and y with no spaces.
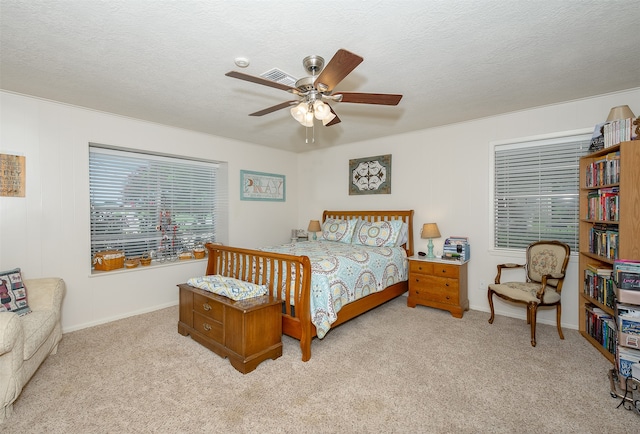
{"x":265,"y":268}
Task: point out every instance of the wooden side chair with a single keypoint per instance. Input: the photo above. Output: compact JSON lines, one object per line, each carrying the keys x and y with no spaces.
{"x":545,"y":269}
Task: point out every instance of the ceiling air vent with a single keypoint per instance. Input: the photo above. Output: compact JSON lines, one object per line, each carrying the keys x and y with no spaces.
{"x":279,"y":76}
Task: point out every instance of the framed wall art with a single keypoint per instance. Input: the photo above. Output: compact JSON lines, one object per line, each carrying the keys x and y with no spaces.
{"x":12,"y":175}
{"x":370,"y":175}
{"x":262,"y":186}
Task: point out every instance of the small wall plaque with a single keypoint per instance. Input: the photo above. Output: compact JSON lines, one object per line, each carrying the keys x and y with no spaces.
{"x":12,"y":175}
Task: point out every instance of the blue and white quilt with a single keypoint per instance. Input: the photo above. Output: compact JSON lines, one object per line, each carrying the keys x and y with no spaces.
{"x":342,"y":273}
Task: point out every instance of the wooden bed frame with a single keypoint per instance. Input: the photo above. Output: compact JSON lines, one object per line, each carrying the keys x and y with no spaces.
{"x":296,"y":318}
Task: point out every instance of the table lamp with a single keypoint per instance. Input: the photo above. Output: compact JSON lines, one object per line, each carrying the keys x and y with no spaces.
{"x":314,"y":226}
{"x":430,"y":231}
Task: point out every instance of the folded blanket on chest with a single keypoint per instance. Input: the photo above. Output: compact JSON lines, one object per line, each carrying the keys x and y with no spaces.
{"x":228,"y":286}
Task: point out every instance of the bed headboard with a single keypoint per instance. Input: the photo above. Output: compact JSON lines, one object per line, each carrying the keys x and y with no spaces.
{"x":375,"y":216}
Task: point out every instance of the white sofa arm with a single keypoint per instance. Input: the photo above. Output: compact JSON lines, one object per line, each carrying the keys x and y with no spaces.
{"x":10,"y":331}
{"x":45,"y":293}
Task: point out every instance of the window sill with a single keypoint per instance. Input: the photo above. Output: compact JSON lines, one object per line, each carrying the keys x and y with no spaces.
{"x":153,"y":266}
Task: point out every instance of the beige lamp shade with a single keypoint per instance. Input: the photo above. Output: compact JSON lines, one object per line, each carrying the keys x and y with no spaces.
{"x":314,"y":226}
{"x":430,"y":230}
{"x":620,"y":112}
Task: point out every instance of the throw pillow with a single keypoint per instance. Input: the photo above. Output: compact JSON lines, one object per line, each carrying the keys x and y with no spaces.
{"x":13,"y":293}
{"x":378,"y":234}
{"x":338,"y":230}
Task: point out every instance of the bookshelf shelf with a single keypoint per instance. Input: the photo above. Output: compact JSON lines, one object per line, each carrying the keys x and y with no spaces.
{"x":598,"y":345}
{"x":603,"y":241}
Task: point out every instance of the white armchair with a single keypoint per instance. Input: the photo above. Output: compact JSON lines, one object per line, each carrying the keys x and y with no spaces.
{"x":25,"y":341}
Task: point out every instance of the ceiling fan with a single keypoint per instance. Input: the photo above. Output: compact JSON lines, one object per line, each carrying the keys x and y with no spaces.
{"x":316,"y":91}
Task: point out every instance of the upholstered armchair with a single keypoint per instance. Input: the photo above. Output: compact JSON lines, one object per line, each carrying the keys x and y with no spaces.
{"x":26,"y":341}
{"x":545,"y":269}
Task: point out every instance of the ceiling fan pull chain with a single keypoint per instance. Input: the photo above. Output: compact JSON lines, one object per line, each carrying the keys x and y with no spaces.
{"x":313,"y":134}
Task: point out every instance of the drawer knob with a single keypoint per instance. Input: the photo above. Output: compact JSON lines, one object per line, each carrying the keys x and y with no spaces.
{"x":446,"y":284}
{"x":206,"y":327}
{"x":444,"y":271}
{"x":206,"y":306}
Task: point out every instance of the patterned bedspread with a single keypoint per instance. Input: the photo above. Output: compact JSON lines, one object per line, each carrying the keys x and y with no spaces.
{"x":342,"y":273}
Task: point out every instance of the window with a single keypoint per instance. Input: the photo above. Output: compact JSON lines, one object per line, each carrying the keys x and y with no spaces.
{"x":535,"y":191}
{"x":143,"y":203}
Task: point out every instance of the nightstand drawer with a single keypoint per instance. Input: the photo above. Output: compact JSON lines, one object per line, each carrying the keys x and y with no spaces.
{"x":436,"y":289}
{"x":210,"y":328}
{"x":208,"y":307}
{"x":435,"y":269}
{"x":446,"y":270}
{"x":421,"y":267}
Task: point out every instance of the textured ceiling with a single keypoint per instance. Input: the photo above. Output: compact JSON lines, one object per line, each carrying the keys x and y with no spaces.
{"x":164,"y":61}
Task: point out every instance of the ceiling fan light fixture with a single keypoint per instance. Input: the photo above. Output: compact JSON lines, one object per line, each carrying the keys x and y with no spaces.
{"x":331,"y":116}
{"x":321,"y":110}
{"x":299,"y":111}
{"x":308,"y":119}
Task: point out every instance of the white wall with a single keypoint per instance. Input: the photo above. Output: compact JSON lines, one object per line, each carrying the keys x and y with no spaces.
{"x":443,"y":174}
{"x":46,"y":233}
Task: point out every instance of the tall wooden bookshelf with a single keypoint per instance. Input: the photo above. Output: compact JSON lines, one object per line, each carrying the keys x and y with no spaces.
{"x":627,"y":225}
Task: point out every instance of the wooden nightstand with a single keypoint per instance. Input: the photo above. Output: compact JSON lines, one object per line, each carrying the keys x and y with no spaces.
{"x":438,"y":283}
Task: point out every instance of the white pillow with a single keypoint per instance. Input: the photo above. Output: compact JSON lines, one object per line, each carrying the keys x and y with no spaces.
{"x":403,"y":238}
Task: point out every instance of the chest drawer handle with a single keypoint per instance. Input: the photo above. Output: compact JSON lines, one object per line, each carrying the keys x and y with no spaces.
{"x":206,"y":306}
{"x":206,"y":327}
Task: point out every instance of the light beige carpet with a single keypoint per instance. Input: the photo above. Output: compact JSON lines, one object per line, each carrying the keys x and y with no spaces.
{"x":393,"y":370}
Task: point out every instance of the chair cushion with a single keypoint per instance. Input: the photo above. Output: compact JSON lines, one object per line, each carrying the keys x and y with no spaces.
{"x":37,"y":327}
{"x":525,"y":291}
{"x":545,"y":259}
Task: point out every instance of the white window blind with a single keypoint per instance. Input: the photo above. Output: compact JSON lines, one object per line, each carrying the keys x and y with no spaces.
{"x":536,"y":191}
{"x":142,"y":203}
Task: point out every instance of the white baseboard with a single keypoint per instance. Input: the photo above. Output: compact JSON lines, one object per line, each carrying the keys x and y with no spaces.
{"x":117,"y":317}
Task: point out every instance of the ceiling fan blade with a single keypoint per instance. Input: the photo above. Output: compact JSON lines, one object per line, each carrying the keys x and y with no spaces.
{"x":274,"y":108}
{"x":260,"y":80}
{"x":370,"y":98}
{"x":340,"y":65}
{"x":333,"y":121}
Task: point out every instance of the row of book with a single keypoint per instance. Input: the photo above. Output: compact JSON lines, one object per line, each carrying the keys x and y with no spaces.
{"x":604,"y":171}
{"x":620,"y":130}
{"x":599,"y":285}
{"x":601,"y":326}
{"x":603,"y":204}
{"x":456,"y":248}
{"x":603,"y":240}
